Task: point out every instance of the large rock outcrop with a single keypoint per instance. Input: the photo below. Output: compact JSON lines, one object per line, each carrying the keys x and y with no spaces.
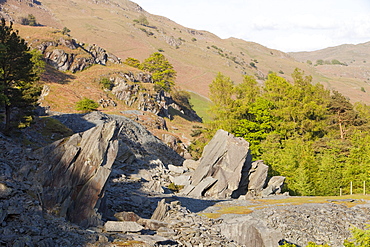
{"x":75,"y":171}
{"x":58,"y":54}
{"x":223,"y":168}
{"x":160,"y":103}
{"x":226,"y":170}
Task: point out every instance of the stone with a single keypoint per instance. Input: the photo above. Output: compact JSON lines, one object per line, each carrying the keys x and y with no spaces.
{"x":153,"y":225}
{"x":257,"y":177}
{"x":274,"y":186}
{"x":190,"y":164}
{"x":254,"y":232}
{"x":228,"y":160}
{"x":176,"y":169}
{"x":122,"y":226}
{"x":182,"y":180}
{"x":75,"y":171}
{"x":206,"y":183}
{"x":5,"y":191}
{"x":127,"y":216}
{"x":161,"y":211}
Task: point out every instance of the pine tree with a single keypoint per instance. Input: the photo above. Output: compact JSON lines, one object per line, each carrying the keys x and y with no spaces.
{"x":162,"y":71}
{"x":17,"y":73}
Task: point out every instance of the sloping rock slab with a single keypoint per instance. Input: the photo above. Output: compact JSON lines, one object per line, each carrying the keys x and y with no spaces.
{"x":228,"y":160}
{"x":75,"y":171}
{"x":250,"y":232}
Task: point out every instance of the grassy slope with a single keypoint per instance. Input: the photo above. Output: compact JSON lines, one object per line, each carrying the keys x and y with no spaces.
{"x":225,"y":208}
{"x":110,"y":24}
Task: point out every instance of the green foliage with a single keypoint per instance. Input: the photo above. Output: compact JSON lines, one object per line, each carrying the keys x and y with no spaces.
{"x":315,"y":138}
{"x":106,"y":83}
{"x":142,"y":20}
{"x":20,"y":69}
{"x":193,"y":39}
{"x":175,"y":187}
{"x":162,"y":71}
{"x":309,"y":62}
{"x":363,"y":89}
{"x":86,"y":105}
{"x":359,"y":238}
{"x":133,"y":62}
{"x":320,"y":62}
{"x":182,"y":98}
{"x":30,"y":20}
{"x":65,"y":31}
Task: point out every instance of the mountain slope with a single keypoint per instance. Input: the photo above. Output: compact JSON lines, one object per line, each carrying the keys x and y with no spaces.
{"x":197,"y":56}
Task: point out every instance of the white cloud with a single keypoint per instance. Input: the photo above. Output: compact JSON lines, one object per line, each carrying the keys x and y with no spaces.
{"x":287,"y":25}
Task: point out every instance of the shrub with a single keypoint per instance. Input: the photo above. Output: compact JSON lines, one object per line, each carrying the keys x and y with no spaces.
{"x":133,"y":62}
{"x":106,"y":83}
{"x":174,"y":187}
{"x":65,"y":31}
{"x":30,"y":20}
{"x":359,"y":237}
{"x":86,"y":105}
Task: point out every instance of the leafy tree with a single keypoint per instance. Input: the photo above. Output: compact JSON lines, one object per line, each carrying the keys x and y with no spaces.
{"x":142,"y":20}
{"x":221,"y":91}
{"x":133,"y":62}
{"x":30,"y":20}
{"x":343,"y":113}
{"x":360,"y":238}
{"x":86,"y":105}
{"x":162,"y":71}
{"x":17,"y":73}
{"x":106,"y":83}
{"x":66,"y":31}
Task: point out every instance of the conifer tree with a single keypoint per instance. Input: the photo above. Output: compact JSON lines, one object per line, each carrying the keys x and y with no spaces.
{"x":17,"y":73}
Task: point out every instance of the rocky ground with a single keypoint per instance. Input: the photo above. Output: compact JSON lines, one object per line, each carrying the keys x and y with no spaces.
{"x":141,"y":211}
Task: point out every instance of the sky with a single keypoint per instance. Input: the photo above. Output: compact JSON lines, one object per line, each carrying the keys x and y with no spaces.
{"x":286,"y":25}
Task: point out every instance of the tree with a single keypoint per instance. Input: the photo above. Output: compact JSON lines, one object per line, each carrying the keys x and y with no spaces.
{"x":162,"y":71}
{"x":86,"y":105}
{"x":343,"y":113}
{"x":133,"y":62}
{"x":66,"y":31}
{"x":17,"y":72}
{"x":221,"y":91}
{"x":30,"y":20}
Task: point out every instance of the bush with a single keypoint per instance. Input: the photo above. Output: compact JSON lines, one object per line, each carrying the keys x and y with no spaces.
{"x":86,"y":105}
{"x":359,"y":237}
{"x":106,"y":83}
{"x":30,"y":20}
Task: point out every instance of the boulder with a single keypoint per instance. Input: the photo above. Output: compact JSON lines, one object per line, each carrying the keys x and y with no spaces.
{"x":127,"y":216}
{"x":250,"y":232}
{"x":190,"y":164}
{"x":274,"y":186}
{"x":75,"y":171}
{"x":227,"y":160}
{"x":257,"y":177}
{"x":122,"y":226}
{"x":161,"y":211}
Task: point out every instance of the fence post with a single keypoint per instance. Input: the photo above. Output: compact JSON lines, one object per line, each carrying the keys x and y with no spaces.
{"x":350,"y":188}
{"x":364,"y":187}
{"x":340,"y":192}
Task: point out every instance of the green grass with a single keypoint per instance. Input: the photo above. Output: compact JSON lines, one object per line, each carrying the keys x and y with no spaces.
{"x":201,"y":105}
{"x":294,"y":200}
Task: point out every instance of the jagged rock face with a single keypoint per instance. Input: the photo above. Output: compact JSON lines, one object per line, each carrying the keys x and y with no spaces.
{"x":158,"y":103}
{"x":138,"y":139}
{"x":75,"y":171}
{"x":64,"y":61}
{"x":227,"y":160}
{"x":226,"y":170}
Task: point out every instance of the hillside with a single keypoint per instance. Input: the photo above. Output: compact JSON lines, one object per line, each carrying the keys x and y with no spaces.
{"x":196,"y":55}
